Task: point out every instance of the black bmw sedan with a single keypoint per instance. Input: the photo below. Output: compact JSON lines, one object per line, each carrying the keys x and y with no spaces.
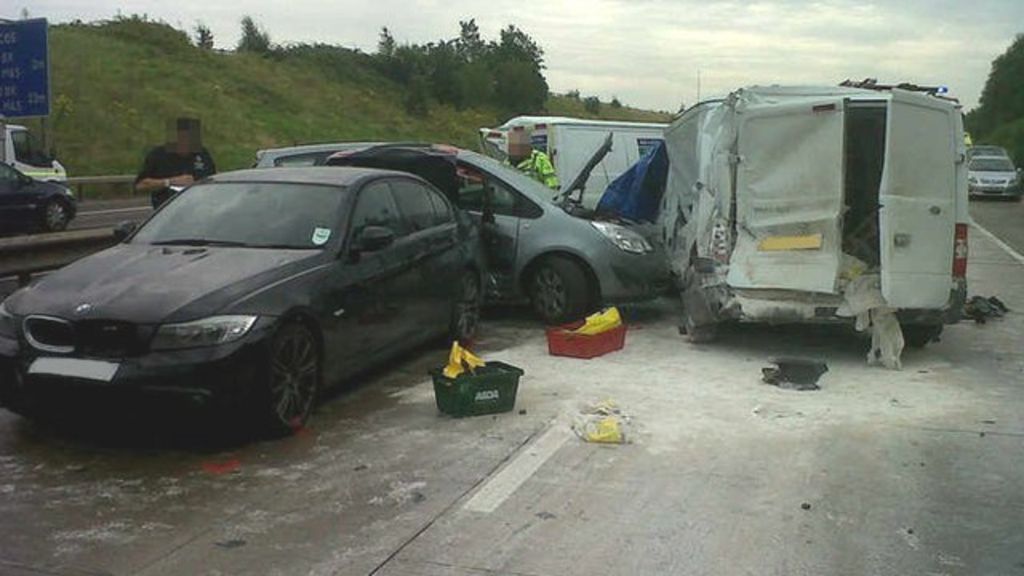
{"x":251,"y":290}
{"x":29,"y":205}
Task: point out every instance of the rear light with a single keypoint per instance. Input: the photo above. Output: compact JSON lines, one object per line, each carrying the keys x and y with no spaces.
{"x":540,"y":127}
{"x":960,"y":251}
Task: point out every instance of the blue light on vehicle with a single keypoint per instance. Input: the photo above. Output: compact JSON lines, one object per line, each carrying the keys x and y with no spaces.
{"x":942,"y":90}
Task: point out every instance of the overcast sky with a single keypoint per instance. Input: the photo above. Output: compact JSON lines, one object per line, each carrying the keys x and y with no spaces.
{"x":646,"y":52}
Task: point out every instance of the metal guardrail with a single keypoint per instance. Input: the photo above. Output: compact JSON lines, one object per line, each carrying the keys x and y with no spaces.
{"x":80,"y":182}
{"x":23,"y":256}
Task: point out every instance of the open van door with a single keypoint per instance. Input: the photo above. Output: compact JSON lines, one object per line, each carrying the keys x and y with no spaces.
{"x":917,"y":216}
{"x":789,"y":195}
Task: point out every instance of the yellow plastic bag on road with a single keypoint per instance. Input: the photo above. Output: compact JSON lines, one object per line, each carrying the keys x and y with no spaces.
{"x":605,"y":431}
{"x":600,"y":322}
{"x":459,"y":360}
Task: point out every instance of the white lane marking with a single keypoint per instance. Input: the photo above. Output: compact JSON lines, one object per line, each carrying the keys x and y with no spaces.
{"x":114,"y":211}
{"x":1006,"y":247}
{"x":519,"y":470}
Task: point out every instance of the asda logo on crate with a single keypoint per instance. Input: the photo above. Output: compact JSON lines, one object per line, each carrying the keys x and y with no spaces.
{"x":484,"y":395}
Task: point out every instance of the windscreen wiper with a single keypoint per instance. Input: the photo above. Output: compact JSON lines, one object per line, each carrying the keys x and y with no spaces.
{"x":198,"y":242}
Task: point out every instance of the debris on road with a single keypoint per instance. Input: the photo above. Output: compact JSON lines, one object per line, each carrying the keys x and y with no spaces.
{"x":980,"y":309}
{"x":468,"y":386}
{"x":794,"y":373}
{"x":225,"y":467}
{"x":597,"y":335}
{"x":864,"y":301}
{"x":602,"y":423}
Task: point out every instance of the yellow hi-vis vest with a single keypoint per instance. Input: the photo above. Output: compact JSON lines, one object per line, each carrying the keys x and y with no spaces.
{"x":538,"y":166}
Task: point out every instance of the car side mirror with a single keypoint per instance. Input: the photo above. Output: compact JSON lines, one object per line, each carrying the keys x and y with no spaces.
{"x":374,"y":238}
{"x":125,"y":229}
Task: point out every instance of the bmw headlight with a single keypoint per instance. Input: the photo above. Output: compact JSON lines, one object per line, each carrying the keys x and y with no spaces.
{"x":206,"y":332}
{"x":8,"y":325}
{"x":624,"y":238}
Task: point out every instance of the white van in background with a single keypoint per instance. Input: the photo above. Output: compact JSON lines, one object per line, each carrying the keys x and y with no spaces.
{"x":20,"y":150}
{"x":571,"y":142}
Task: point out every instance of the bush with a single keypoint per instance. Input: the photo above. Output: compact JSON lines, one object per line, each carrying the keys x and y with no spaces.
{"x":592,"y":104}
{"x":615,"y":103}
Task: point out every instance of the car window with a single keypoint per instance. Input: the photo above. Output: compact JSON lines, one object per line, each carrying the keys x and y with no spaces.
{"x":376,"y":207}
{"x":255,"y":214}
{"x":442,"y":211}
{"x":991,"y":165}
{"x":414,"y":204}
{"x":307,"y":159}
{"x":7,"y":174}
{"x":475,"y":185}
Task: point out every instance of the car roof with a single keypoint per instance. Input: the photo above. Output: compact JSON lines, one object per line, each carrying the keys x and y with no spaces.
{"x":329,"y":175}
{"x":989,"y":157}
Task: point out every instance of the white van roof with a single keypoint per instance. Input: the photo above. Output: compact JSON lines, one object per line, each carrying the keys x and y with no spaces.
{"x":564,"y":120}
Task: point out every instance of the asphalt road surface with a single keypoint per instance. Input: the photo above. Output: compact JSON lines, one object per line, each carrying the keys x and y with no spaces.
{"x":880,"y":472}
{"x":1003,"y":218}
{"x":109,"y":213}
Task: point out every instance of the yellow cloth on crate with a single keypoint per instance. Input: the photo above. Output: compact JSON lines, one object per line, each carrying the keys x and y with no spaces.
{"x":460,"y":359}
{"x":600,"y":322}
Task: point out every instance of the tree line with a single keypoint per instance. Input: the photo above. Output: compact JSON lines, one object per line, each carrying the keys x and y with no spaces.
{"x":999,"y":117}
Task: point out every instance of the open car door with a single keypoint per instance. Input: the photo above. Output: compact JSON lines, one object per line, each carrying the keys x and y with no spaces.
{"x":789,"y":195}
{"x":917,"y":217}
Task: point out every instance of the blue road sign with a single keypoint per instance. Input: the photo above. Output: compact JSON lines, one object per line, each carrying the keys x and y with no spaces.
{"x":24,"y":68}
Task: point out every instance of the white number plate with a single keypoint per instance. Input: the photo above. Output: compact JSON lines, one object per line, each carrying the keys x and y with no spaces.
{"x":75,"y":368}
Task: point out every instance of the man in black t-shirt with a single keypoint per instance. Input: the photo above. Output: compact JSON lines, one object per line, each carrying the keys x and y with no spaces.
{"x":175,"y":165}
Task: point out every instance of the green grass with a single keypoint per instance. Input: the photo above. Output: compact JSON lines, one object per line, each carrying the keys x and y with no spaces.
{"x":116,"y":84}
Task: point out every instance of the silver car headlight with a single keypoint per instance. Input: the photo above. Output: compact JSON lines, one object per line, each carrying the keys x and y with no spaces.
{"x":624,"y":238}
{"x":205,"y":332}
{"x":8,"y":325}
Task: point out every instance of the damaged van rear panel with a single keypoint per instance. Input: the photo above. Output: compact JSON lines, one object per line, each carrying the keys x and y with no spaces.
{"x":779,"y":199}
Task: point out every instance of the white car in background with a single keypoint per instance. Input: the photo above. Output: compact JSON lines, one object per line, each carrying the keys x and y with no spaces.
{"x":994,"y":176}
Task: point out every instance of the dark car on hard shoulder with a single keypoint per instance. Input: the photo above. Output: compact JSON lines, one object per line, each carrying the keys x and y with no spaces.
{"x":251,"y":290}
{"x":30,"y":205}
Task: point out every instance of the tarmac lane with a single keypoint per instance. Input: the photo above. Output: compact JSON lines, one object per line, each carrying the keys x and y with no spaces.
{"x":881,"y":472}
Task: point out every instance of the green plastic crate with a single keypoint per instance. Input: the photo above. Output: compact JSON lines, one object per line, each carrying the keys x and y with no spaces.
{"x":492,"y":389}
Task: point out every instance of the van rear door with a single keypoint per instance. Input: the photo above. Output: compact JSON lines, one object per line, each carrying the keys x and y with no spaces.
{"x":917,"y":201}
{"x":789,"y":194}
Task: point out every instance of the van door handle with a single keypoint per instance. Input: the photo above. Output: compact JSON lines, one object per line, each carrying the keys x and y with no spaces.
{"x":935,"y":210}
{"x":901,"y":240}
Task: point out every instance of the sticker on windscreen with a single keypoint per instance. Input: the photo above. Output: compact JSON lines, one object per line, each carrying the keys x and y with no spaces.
{"x":321,"y":236}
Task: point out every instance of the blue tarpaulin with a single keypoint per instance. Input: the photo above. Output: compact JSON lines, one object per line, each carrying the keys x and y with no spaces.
{"x":636,"y":194}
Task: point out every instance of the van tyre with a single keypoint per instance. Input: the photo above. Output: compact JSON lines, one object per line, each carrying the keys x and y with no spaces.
{"x":559,"y":291}
{"x":466,"y":308}
{"x":55,"y":216}
{"x":293,"y":381}
{"x":919,"y":335}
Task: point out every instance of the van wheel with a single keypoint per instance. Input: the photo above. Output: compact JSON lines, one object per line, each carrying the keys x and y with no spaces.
{"x":55,"y":216}
{"x":559,"y":291}
{"x":919,"y":335}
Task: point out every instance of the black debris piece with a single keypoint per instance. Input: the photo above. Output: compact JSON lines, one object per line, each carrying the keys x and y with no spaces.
{"x":980,"y":309}
{"x":794,"y":373}
{"x":545,"y":515}
{"x":805,"y":506}
{"x":234,"y":543}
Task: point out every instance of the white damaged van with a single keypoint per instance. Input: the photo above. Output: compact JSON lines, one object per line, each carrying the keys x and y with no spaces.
{"x":807,"y":204}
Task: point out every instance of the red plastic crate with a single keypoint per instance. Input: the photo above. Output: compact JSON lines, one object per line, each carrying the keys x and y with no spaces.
{"x":563,"y":342}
